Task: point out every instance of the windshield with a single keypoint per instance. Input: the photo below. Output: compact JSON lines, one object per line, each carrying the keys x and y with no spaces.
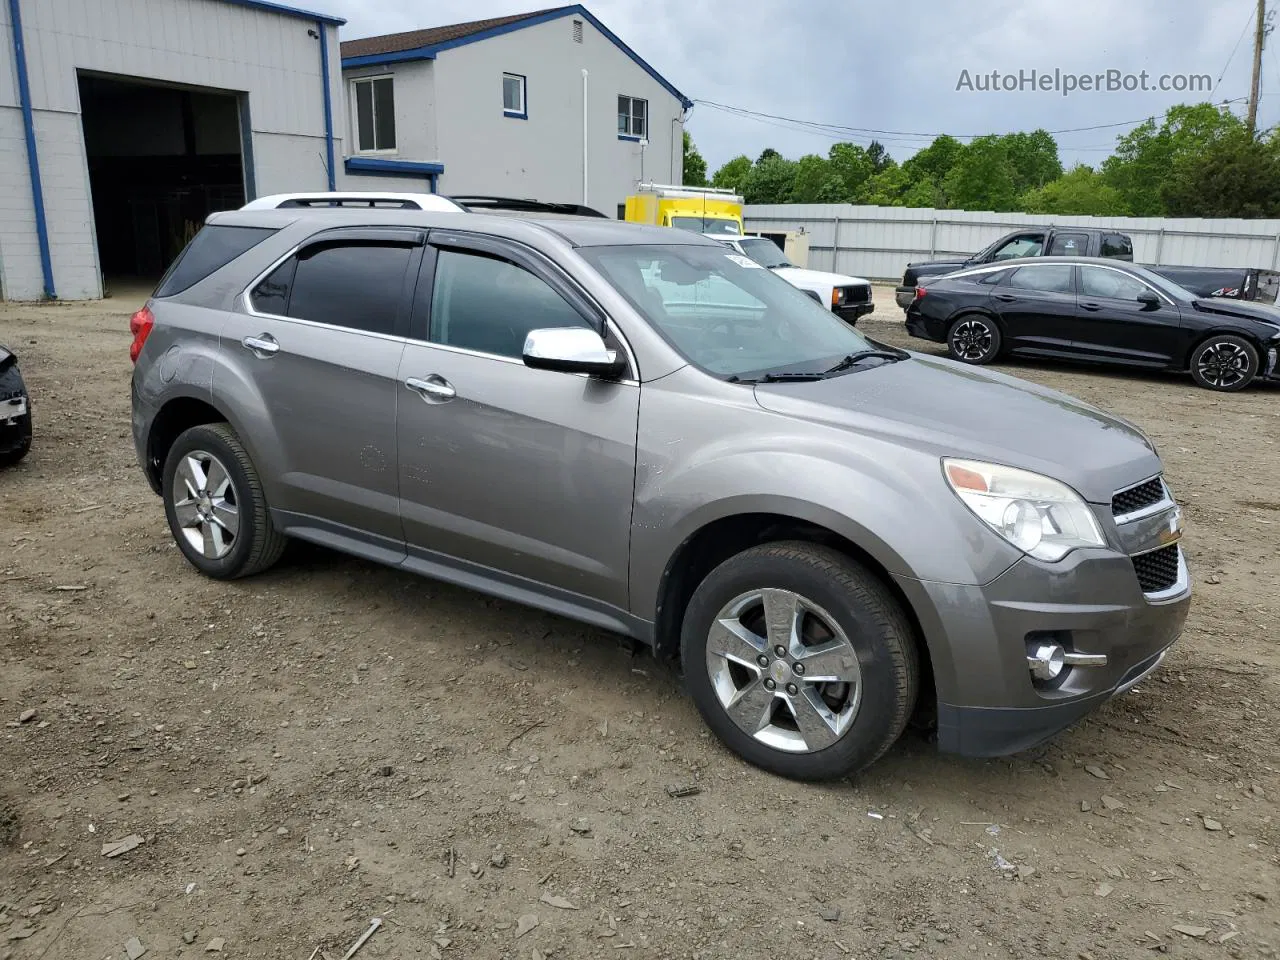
{"x":718,"y":225}
{"x":724,"y":312}
{"x":1175,"y":292}
{"x":765,"y":252}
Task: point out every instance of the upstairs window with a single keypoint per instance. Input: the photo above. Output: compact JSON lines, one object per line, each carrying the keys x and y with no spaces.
{"x":513,"y":102}
{"x":633,"y":117}
{"x":375,"y":119}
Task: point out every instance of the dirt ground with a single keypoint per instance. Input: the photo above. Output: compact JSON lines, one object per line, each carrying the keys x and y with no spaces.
{"x":335,"y":741}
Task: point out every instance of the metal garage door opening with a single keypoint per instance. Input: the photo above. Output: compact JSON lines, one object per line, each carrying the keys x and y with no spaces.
{"x":161,"y":158}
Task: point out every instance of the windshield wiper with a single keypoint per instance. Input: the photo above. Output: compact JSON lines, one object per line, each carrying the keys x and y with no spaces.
{"x":854,"y":359}
{"x":779,"y":377}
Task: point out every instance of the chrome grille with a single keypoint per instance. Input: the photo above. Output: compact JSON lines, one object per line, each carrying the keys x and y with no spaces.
{"x":1137,"y":498}
{"x":1157,"y":570}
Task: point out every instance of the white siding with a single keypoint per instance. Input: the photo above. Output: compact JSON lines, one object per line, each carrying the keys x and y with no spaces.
{"x":486,"y":152}
{"x":414,"y":89}
{"x":878,"y":242}
{"x":267,"y":56}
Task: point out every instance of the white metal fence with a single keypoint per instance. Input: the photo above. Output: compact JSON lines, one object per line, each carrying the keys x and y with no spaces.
{"x":878,"y":242}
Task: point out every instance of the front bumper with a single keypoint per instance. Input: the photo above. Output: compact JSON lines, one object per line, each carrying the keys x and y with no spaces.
{"x":977,"y":635}
{"x":850,"y":312}
{"x":904,"y":296}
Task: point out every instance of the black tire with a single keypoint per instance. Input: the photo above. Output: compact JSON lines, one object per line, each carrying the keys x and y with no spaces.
{"x":974,"y":338}
{"x":256,"y":544}
{"x":15,"y":441}
{"x":1225,"y":363}
{"x":869,"y":616}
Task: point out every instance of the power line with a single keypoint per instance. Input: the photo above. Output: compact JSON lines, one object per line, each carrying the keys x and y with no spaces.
{"x":1247,"y":24}
{"x":905,"y":136}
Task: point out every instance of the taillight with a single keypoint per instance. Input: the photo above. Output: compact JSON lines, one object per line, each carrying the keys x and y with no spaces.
{"x":140,"y":325}
{"x":920,"y":292}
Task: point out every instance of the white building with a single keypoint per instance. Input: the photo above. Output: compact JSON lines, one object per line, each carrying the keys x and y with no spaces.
{"x":122,"y":124}
{"x":550,"y":105}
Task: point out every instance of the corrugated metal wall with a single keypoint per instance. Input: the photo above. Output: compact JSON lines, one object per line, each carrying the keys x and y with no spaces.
{"x":878,"y":242}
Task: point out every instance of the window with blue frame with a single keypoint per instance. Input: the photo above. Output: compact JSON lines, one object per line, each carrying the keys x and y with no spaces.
{"x":513,"y":96}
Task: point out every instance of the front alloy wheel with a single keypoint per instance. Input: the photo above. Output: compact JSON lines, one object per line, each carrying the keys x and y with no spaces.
{"x":800,"y":660}
{"x":1226,"y":363}
{"x":784,"y":671}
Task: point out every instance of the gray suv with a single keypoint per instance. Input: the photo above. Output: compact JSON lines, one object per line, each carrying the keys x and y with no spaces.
{"x":632,"y":427}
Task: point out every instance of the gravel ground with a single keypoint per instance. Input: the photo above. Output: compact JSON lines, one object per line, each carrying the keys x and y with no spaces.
{"x":335,"y":741}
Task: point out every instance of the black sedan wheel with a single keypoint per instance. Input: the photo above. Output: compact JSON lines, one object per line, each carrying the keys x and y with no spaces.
{"x":1224,"y":362}
{"x":974,"y":339}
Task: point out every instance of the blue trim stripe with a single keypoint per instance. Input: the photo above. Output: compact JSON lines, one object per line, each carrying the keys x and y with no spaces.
{"x":33,"y":160}
{"x":577,"y":10}
{"x":328,"y":102}
{"x":373,"y":59}
{"x":378,"y":167}
{"x":270,"y":7}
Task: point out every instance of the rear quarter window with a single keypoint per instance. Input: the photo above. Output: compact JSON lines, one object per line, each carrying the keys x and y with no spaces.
{"x":209,"y":250}
{"x":1117,"y":245}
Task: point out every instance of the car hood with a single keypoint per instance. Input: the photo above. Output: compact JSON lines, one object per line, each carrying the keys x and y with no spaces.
{"x":951,"y":409}
{"x":1248,"y":309}
{"x":801,"y":275}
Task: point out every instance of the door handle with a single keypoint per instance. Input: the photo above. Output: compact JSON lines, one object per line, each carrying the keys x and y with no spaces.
{"x":1006,"y":297}
{"x":1091,"y":306}
{"x":433,"y":388}
{"x":263,"y":345}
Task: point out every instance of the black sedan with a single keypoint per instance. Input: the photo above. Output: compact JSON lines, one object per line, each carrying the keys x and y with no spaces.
{"x":1097,"y":310}
{"x":15,"y":411}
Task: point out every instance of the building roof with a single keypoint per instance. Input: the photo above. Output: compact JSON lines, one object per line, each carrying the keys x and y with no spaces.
{"x":271,"y":7}
{"x":432,"y":36}
{"x":425,"y":44}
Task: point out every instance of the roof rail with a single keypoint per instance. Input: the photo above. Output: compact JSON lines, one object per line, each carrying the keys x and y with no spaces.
{"x":354,"y":198}
{"x":676,"y":190}
{"x":528,"y":205}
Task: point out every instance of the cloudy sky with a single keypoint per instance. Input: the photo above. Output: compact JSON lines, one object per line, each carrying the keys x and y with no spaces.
{"x":895,"y":66}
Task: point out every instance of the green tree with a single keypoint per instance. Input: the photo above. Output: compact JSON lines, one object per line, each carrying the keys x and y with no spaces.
{"x":1081,"y":191}
{"x":879,"y":157}
{"x":695,"y":167}
{"x":768,"y":153}
{"x":888,"y":188}
{"x":852,"y":166}
{"x":772,"y":180}
{"x":1033,"y":159}
{"x":1233,"y":176}
{"x":927,"y":171}
{"x":1146,"y":156}
{"x":733,"y":175}
{"x":816,"y":181}
{"x":982,"y":177}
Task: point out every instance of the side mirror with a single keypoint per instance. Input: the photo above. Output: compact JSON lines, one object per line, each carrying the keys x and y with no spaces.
{"x":571,"y":350}
{"x":1148,"y":300}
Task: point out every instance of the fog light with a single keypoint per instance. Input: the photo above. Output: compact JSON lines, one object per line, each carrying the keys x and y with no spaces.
{"x":1046,"y":661}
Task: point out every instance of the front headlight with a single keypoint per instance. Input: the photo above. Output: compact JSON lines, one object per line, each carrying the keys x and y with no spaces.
{"x":1038,"y":515}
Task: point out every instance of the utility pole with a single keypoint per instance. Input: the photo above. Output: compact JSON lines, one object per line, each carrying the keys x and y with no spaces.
{"x":1255,"y":90}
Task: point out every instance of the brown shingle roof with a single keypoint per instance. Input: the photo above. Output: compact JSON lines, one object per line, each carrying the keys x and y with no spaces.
{"x":413,"y":39}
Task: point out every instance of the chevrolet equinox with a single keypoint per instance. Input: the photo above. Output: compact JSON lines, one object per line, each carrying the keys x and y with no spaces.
{"x":636,"y":428}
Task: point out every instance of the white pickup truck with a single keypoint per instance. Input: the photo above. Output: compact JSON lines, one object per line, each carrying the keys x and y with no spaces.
{"x":848,"y":297}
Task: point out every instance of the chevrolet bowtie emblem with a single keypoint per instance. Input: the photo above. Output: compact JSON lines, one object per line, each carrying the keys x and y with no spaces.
{"x":1173,"y":532}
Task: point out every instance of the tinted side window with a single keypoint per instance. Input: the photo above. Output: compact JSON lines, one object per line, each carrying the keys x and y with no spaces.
{"x":994,"y":277}
{"x":489,"y":305}
{"x":360,"y":286}
{"x":1069,"y":245}
{"x":272,"y":294}
{"x":1049,"y":278}
{"x":1099,"y":282}
{"x":1117,"y":245}
{"x":1028,"y":246}
{"x":209,"y":250}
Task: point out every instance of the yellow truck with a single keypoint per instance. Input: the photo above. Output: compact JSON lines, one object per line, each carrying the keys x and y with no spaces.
{"x":709,"y":210}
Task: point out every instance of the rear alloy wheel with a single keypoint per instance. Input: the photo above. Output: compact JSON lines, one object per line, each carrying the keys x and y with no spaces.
{"x":1224,"y":362}
{"x":974,"y":339}
{"x":214,"y":502}
{"x":800,"y":660}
